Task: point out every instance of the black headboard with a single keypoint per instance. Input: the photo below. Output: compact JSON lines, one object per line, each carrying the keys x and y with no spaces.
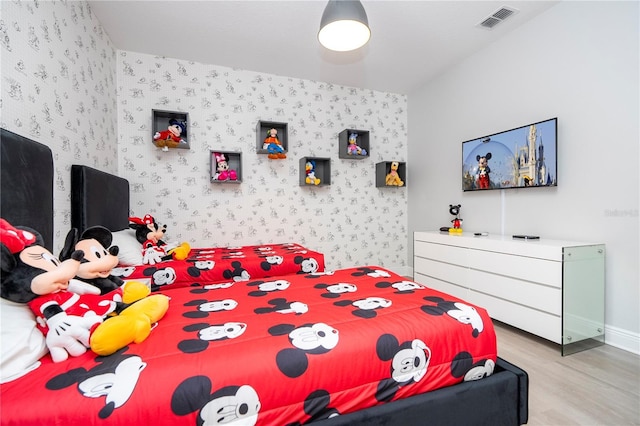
{"x":98,"y":198}
{"x":26,"y":184}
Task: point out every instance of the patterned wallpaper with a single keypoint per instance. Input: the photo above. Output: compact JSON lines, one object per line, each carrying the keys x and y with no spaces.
{"x":59,"y":88}
{"x":65,"y":85}
{"x":351,"y":221}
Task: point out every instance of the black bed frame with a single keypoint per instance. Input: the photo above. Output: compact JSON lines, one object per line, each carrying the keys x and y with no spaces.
{"x":30,"y":202}
{"x":98,"y":198}
{"x":500,"y":399}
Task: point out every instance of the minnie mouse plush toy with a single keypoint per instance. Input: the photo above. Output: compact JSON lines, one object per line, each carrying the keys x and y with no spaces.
{"x":154,"y":250}
{"x":222,"y":169}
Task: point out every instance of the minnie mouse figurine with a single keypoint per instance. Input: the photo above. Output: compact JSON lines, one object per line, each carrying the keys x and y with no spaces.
{"x":222,"y":167}
{"x":72,"y":322}
{"x":154,"y":250}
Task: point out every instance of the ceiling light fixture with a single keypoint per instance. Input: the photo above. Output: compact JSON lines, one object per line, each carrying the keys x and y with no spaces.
{"x":344,"y":26}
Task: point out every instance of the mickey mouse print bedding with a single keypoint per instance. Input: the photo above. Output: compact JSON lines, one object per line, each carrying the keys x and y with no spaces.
{"x":286,"y":350}
{"x":212,"y":265}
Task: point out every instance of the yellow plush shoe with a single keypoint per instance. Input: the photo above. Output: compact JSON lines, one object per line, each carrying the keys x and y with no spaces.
{"x":151,"y":308}
{"x":133,"y":325}
{"x":181,"y":252}
{"x":133,"y":291}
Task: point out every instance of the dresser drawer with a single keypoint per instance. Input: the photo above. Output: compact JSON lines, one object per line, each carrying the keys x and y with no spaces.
{"x":540,"y":297}
{"x":442,"y":271}
{"x":535,"y":270}
{"x":443,"y":286}
{"x":441,"y":252}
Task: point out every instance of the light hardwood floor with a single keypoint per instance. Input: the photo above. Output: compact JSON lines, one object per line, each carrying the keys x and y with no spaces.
{"x":599,"y":386}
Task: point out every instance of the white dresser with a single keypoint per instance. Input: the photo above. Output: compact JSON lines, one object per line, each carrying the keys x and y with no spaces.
{"x":553,"y":289}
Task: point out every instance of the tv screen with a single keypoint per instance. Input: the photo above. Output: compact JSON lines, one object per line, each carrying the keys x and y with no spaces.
{"x":523,"y":157}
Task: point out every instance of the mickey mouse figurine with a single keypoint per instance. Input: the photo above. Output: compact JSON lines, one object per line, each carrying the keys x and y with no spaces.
{"x":154,"y":250}
{"x":454,"y":209}
{"x":99,"y":257}
{"x":72,"y":322}
{"x":171,"y":137}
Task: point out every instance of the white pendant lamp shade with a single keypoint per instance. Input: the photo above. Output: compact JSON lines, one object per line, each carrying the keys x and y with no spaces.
{"x":344,"y":26}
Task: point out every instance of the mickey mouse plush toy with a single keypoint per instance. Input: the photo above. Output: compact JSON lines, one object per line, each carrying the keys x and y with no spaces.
{"x":154,"y":250}
{"x":72,"y":322}
{"x":99,"y":257}
{"x":171,"y":137}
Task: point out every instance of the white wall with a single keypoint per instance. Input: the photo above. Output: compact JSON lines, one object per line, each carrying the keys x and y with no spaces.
{"x":578,"y":62}
{"x":59,"y":89}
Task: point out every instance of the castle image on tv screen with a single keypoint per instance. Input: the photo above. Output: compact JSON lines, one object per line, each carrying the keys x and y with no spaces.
{"x":522,"y":157}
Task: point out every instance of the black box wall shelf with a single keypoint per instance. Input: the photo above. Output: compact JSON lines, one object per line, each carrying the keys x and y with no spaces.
{"x":170,"y":129}
{"x":232,"y":173}
{"x":385,"y":176}
{"x":319,"y":175}
{"x":262,"y":132}
{"x":359,"y":149}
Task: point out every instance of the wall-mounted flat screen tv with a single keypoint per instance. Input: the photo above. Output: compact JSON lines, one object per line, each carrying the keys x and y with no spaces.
{"x":523,"y":157}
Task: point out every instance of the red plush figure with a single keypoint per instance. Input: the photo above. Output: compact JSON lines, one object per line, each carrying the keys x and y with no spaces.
{"x":171,"y":137}
{"x":72,"y":322}
{"x":483,"y":171}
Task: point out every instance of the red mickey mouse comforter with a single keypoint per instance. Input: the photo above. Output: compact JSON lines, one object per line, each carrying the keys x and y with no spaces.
{"x":281,"y":351}
{"x":209,"y":265}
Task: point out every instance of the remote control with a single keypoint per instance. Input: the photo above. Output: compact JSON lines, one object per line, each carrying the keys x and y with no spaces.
{"x":527,"y":237}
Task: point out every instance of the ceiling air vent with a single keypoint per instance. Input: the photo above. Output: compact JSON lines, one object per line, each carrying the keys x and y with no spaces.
{"x":496,"y":17}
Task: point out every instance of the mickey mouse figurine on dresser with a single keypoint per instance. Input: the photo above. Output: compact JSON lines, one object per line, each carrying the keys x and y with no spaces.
{"x":457,"y":222}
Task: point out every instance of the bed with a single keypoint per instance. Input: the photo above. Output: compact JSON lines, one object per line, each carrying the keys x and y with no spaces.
{"x":359,"y":346}
{"x":99,"y":198}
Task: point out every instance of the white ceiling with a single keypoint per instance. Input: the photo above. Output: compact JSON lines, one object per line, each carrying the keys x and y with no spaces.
{"x":411,"y":42}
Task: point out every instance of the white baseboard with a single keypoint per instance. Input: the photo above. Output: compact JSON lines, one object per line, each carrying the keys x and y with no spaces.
{"x":622,"y":339}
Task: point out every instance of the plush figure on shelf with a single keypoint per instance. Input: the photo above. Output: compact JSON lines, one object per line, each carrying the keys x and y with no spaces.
{"x":172,"y":137}
{"x":310,"y":168}
{"x":482,"y":177}
{"x":72,"y":322}
{"x":154,"y":250}
{"x":454,"y":209}
{"x":352,"y":146}
{"x":99,"y":257}
{"x":393,"y":178}
{"x":222,"y":169}
{"x":273,"y":146}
